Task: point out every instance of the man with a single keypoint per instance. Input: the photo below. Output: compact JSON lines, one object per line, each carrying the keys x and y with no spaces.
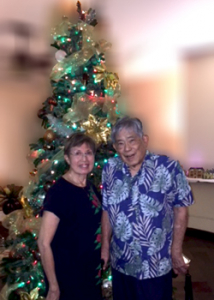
{"x":145,"y":200}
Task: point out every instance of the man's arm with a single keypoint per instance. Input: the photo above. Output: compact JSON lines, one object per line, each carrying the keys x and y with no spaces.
{"x":180,"y":225}
{"x":106,"y":237}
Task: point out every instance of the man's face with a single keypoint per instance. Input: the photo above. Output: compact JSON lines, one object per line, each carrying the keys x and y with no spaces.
{"x":131,"y":148}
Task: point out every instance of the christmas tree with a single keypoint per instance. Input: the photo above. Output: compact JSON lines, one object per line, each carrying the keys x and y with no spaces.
{"x":84,"y":99}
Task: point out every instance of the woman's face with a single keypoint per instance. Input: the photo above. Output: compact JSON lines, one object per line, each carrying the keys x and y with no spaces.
{"x":81,"y":159}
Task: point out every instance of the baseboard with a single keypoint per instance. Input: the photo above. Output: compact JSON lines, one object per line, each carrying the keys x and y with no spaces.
{"x":200,"y":234}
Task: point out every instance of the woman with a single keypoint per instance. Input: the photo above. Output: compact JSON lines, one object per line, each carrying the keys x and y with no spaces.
{"x":68,"y":234}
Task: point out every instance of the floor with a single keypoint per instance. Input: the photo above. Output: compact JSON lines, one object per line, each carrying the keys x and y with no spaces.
{"x":199,"y":247}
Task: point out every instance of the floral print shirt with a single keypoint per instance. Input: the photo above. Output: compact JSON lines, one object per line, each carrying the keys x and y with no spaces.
{"x":140,"y":210}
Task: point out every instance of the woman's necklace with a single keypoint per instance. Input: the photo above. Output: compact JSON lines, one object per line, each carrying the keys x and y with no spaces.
{"x":79,"y":183}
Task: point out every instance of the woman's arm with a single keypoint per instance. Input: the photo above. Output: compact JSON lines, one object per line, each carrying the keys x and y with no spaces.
{"x":48,"y":228}
{"x":106,"y":237}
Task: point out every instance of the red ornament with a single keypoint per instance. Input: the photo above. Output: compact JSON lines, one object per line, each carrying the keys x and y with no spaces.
{"x":41,"y":113}
{"x":52,"y":101}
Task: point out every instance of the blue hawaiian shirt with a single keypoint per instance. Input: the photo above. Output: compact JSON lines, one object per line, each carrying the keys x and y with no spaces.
{"x":140,"y":210}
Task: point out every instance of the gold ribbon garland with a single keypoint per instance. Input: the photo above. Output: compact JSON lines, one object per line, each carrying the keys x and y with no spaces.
{"x":71,"y":63}
{"x":34,"y":295}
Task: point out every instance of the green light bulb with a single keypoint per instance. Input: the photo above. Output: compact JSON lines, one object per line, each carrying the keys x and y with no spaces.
{"x":21,"y":284}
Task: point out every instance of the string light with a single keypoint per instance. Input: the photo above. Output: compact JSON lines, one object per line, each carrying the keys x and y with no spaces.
{"x":22,"y":284}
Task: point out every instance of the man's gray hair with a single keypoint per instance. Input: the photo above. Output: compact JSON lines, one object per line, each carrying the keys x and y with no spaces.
{"x":127,"y":123}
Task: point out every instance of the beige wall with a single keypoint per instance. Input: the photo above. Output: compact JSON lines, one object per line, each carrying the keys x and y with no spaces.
{"x":157,"y":101}
{"x":200,"y":109}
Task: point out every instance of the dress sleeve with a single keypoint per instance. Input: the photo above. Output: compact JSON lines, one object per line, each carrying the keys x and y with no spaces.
{"x":183,"y":193}
{"x":53,"y":203}
{"x":104,"y":189}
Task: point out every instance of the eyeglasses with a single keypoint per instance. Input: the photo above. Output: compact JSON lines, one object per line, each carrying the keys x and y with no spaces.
{"x":80,"y":155}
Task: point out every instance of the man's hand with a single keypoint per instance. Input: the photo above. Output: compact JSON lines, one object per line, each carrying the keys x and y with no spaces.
{"x":53,"y":293}
{"x":180,"y":224}
{"x":178,"y":264}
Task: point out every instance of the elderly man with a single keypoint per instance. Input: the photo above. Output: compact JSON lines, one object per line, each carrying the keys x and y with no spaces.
{"x":145,"y":200}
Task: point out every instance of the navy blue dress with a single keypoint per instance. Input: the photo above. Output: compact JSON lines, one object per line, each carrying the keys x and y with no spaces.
{"x":77,"y":235}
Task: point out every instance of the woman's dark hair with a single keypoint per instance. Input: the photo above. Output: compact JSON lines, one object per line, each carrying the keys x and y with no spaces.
{"x":78,"y":139}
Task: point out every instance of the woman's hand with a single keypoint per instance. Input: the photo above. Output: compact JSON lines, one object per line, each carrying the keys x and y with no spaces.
{"x":53,"y":293}
{"x":105,"y":257}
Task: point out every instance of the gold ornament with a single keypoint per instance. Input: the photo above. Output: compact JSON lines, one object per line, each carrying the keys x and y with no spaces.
{"x":34,"y":295}
{"x":27,"y":208}
{"x":111,"y":80}
{"x":49,"y":136}
{"x":98,"y":130}
{"x":100,"y":72}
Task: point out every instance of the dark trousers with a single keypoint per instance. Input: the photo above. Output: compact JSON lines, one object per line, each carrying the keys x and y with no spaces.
{"x":129,"y":288}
